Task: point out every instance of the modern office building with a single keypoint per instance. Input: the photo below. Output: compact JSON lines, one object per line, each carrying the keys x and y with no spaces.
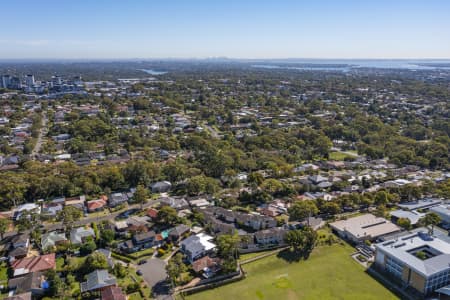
{"x":418,"y":260}
{"x":6,"y":81}
{"x":29,"y":80}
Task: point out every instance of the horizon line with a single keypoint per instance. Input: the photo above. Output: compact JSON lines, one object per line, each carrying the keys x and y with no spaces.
{"x":210,"y":58}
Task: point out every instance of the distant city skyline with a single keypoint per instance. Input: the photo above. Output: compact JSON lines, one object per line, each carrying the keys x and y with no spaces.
{"x":323,"y":29}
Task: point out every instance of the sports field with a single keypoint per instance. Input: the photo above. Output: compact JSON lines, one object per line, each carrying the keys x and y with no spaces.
{"x":329,"y":273}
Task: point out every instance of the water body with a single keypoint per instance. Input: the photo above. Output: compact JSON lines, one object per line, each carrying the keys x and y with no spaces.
{"x":346,"y":65}
{"x":153,"y":72}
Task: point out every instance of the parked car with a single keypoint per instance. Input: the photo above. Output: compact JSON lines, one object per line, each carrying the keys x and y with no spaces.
{"x":139,"y":272}
{"x":141,"y":262}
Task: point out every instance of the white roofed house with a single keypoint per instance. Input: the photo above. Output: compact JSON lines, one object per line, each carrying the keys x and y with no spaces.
{"x":197,"y":246}
{"x":79,"y":235}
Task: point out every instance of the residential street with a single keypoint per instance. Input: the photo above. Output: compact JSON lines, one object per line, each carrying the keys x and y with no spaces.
{"x":42,"y":132}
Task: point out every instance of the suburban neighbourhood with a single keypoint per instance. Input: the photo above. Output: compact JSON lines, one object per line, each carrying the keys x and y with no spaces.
{"x":194,"y":185}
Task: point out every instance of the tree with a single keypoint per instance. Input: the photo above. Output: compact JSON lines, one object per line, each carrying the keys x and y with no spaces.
{"x":4,"y":225}
{"x":255,"y":178}
{"x":107,"y":236}
{"x":381,"y":198}
{"x":29,"y":220}
{"x":167,"y":215}
{"x":175,"y":268}
{"x":331,"y":208}
{"x":88,"y":246}
{"x":58,"y":288}
{"x":431,"y":219}
{"x":294,"y":238}
{"x":405,"y":223}
{"x":68,"y":215}
{"x":95,"y":261}
{"x":302,"y":210}
{"x":227,"y":246}
{"x":302,"y":240}
{"x":141,"y":195}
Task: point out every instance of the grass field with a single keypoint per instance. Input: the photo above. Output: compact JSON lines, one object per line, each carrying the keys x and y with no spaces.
{"x":341,"y":155}
{"x":329,"y":273}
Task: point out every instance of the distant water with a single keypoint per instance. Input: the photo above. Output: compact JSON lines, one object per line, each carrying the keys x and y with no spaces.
{"x":153,"y":72}
{"x":349,"y":64}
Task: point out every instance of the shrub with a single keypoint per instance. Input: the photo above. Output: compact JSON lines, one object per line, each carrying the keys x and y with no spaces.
{"x":161,"y":252}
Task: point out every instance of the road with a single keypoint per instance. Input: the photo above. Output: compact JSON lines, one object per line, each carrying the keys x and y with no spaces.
{"x":154,"y":274}
{"x":88,"y":220}
{"x":42,"y":132}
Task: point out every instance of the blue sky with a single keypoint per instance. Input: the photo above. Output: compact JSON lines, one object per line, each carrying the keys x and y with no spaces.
{"x":238,"y":29}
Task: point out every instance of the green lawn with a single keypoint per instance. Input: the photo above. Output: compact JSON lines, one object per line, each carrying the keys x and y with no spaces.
{"x":341,"y":155}
{"x":329,"y":273}
{"x":3,"y":273}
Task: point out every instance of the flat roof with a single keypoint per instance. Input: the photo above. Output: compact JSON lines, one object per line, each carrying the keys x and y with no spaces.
{"x":443,"y":209}
{"x":399,"y":249}
{"x":413,"y":216}
{"x":366,"y":225}
{"x":423,"y":203}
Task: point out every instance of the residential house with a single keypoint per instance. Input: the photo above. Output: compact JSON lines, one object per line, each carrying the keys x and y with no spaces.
{"x":177,"y":232}
{"x":152,"y":213}
{"x":19,"y":247}
{"x":255,"y":222}
{"x":79,"y":235}
{"x":207,"y":266}
{"x":140,"y":241}
{"x":116,"y":199}
{"x":22,"y":296}
{"x":20,"y":240}
{"x":197,"y":246}
{"x":33,"y":264}
{"x":27,"y":207}
{"x":161,"y":187}
{"x":51,"y":209}
{"x":144,"y":240}
{"x":77,"y":202}
{"x":270,"y":236}
{"x":33,"y":284}
{"x":113,"y":293}
{"x":97,"y":204}
{"x":52,"y":239}
{"x":177,"y":203}
{"x":98,"y":280}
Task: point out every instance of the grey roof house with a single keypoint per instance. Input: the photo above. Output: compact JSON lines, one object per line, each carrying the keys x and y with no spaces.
{"x":79,"y":235}
{"x":96,"y":280}
{"x":52,"y":239}
{"x":161,"y":187}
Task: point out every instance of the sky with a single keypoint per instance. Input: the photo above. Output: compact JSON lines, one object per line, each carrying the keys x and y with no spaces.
{"x":80,"y":29}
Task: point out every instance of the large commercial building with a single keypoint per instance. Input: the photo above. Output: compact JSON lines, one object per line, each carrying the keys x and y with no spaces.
{"x":418,"y":260}
{"x":365,"y":227}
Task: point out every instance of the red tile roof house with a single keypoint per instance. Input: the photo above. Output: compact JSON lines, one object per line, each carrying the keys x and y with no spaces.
{"x":152,"y":213}
{"x":98,"y":204}
{"x":113,"y":293}
{"x":34,"y":264}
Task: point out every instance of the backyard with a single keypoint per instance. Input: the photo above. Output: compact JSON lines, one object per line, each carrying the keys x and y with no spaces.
{"x":329,"y":273}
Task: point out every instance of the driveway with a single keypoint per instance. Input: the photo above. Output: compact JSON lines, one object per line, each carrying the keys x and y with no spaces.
{"x":153,"y":272}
